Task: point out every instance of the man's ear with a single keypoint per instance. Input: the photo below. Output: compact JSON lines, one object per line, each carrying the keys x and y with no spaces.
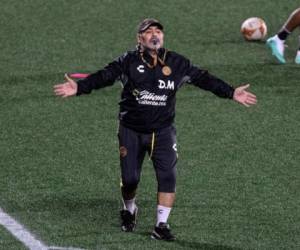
{"x":138,"y":38}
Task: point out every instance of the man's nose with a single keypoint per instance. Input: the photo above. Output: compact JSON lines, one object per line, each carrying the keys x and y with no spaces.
{"x":153,"y":33}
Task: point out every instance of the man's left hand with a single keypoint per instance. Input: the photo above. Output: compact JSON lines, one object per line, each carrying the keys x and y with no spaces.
{"x":244,"y":97}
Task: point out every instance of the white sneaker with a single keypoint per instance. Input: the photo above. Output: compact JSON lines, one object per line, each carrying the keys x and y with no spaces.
{"x":297,"y":58}
{"x":277,"y":47}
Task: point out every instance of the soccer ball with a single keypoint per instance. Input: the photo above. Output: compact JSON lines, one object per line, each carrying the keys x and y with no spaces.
{"x":254,"y":29}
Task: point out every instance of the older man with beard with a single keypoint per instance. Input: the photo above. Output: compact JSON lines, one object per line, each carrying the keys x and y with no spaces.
{"x":151,"y":75}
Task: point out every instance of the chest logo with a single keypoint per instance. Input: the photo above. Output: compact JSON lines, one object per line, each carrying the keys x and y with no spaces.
{"x":141,"y":68}
{"x":166,"y":85}
{"x":166,"y":70}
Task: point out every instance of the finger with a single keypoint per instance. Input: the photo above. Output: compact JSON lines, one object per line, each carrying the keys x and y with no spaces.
{"x":57,"y":86}
{"x":251,"y":102}
{"x":60,"y":85}
{"x":243,"y":87}
{"x":59,"y":92}
{"x":250,"y":94}
{"x":251,"y":98}
{"x":68,"y":78}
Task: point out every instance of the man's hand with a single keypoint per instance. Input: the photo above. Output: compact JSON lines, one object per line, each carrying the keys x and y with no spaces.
{"x":244,"y":97}
{"x":66,"y":89}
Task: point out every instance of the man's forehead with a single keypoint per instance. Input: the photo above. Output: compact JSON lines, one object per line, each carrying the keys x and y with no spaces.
{"x":153,"y":27}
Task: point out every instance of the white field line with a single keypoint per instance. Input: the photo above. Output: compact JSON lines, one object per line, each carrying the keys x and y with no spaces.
{"x":23,"y":235}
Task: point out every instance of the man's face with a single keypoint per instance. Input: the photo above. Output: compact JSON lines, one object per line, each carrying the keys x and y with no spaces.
{"x":152,"y":38}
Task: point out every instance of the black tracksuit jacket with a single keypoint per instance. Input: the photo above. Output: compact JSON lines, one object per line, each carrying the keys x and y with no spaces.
{"x":148,"y":97}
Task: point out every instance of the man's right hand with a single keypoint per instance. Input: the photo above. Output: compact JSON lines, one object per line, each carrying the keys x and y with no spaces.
{"x":66,"y":89}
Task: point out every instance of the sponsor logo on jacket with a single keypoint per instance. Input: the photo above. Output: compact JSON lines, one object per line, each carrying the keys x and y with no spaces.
{"x":147,"y":98}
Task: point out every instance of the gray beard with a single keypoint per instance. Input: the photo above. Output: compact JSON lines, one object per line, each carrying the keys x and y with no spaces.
{"x":151,"y":47}
{"x":155,"y":46}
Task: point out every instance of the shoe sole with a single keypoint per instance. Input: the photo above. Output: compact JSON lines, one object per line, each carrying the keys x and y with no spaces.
{"x":124,"y":229}
{"x":275,"y":53}
{"x":155,"y":236}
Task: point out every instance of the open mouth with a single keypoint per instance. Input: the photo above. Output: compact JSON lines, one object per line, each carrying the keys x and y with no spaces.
{"x":154,"y":41}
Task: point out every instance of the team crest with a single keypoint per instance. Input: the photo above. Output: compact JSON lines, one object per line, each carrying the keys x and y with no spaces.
{"x":166,"y":70}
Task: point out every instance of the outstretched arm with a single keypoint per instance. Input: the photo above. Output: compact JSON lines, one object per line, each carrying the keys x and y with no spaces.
{"x":100,"y":79}
{"x":66,"y":89}
{"x":244,"y":97}
{"x":206,"y":81}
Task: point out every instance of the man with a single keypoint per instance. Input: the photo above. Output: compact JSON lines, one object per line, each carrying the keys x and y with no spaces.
{"x":151,"y":76}
{"x":277,"y":42}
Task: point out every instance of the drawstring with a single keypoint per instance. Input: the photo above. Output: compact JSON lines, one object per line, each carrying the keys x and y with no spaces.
{"x":152,"y":145}
{"x":162,"y":61}
{"x":155,"y":59}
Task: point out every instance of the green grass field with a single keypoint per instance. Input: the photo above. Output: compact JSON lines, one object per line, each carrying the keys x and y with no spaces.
{"x":238,"y":170}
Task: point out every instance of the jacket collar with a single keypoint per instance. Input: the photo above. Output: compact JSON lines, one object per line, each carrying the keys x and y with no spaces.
{"x":149,"y":58}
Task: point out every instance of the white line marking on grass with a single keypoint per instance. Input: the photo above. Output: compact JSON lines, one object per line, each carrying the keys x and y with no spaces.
{"x":23,"y":235}
{"x":20,"y":232}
